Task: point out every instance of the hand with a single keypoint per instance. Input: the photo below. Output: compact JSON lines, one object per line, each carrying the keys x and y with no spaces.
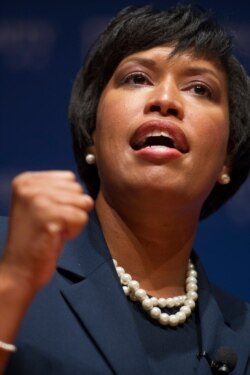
{"x":47,"y":209}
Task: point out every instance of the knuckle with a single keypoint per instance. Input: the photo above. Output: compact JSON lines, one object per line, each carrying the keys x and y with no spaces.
{"x":41,"y":202}
{"x":17,"y":181}
{"x":78,"y":218}
{"x":71,"y":175}
{"x":77,"y":187}
{"x":21,"y":181}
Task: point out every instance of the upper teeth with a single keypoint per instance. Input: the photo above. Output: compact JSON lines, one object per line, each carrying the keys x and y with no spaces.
{"x":157,"y":133}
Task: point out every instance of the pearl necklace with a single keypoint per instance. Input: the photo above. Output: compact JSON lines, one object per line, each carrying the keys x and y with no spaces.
{"x":154,"y":305}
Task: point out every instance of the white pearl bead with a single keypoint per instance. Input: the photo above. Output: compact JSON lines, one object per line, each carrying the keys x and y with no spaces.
{"x":186,"y":310}
{"x":155,"y":312}
{"x":170,"y":302}
{"x":147,"y":304}
{"x":190,"y":303}
{"x":192,"y":273}
{"x":192,"y":295}
{"x":125,"y":278}
{"x":162,"y":302}
{"x":164,"y":319}
{"x":191,"y":287}
{"x":190,"y":266}
{"x":177,"y":301}
{"x":140,"y":294}
{"x":120,"y":270}
{"x":191,"y":279}
{"x":133,"y":285}
{"x":115,"y":262}
{"x":181,"y":316}
{"x":132,"y":297}
{"x":126,"y":290}
{"x":173,"y":320}
{"x":154,"y":301}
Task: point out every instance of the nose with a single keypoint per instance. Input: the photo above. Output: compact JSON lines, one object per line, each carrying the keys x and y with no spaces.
{"x":165,"y":99}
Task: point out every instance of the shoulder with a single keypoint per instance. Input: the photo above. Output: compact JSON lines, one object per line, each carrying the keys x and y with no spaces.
{"x":236,"y":312}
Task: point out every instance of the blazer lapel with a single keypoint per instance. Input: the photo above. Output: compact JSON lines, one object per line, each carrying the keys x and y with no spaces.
{"x":215,"y":330}
{"x":99,"y":302}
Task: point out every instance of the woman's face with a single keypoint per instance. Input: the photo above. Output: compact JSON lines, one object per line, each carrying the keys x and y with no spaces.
{"x":163,"y":126}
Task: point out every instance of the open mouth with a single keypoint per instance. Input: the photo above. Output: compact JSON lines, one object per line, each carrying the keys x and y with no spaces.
{"x":155,"y":139}
{"x":158,"y":134}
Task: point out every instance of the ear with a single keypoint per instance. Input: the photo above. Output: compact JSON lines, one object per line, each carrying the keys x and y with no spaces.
{"x":90,"y":149}
{"x":224,"y":176}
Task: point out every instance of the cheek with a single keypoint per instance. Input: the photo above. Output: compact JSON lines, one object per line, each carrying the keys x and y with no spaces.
{"x":215,"y":140}
{"x":109,"y":114}
{"x":116,"y":113}
{"x":211,"y":133}
{"x":110,"y":130}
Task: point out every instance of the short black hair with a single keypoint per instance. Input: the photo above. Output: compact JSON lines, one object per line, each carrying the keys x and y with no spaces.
{"x":185,"y":27}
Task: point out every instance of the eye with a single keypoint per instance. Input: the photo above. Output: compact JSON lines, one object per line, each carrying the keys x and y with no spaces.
{"x":201,"y":89}
{"x":137,"y":78}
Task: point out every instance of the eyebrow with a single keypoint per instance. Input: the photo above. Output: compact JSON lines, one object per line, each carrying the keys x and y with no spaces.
{"x":190,"y":70}
{"x":200,"y":70}
{"x":143,"y":61}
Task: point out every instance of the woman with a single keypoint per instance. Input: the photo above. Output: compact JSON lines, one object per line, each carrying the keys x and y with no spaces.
{"x":161,"y":134}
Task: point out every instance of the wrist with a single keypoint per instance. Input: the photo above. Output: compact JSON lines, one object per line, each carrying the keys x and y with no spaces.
{"x":16,"y":282}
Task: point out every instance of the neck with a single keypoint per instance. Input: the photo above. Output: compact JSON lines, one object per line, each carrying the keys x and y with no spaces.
{"x":153,"y":248}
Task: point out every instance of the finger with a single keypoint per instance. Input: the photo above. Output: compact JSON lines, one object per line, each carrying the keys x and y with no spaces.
{"x":67,"y":175}
{"x":29,"y":191}
{"x":82,"y":201}
{"x":50,"y":188}
{"x":68,"y":222}
{"x":56,"y":179}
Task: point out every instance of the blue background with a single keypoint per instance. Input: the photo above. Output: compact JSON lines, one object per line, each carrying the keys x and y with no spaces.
{"x":42,"y":45}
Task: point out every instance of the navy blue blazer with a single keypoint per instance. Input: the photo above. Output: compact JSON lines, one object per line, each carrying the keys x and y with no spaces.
{"x":74,"y":324}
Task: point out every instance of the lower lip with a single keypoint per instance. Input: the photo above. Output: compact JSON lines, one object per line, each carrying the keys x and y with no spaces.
{"x":158,"y":153}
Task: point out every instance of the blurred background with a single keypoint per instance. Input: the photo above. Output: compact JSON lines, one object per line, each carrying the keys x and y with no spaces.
{"x":42,"y":45}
